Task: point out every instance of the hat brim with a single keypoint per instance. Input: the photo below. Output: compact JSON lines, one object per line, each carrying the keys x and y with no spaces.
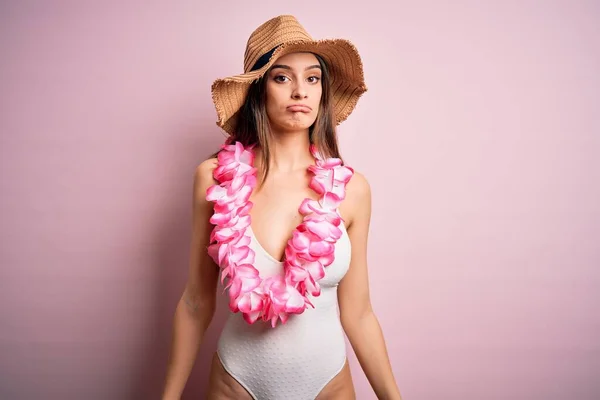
{"x":345,"y":69}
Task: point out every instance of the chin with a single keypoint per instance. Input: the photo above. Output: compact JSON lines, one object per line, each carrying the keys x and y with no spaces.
{"x":297,"y":125}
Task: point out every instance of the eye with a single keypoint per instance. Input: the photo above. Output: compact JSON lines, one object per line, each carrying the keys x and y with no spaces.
{"x":280,"y":78}
{"x":313,"y":79}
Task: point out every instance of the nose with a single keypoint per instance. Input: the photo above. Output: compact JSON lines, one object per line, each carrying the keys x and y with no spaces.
{"x":299,"y":92}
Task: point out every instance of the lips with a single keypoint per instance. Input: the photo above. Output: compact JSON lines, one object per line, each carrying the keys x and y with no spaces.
{"x":299,"y":108}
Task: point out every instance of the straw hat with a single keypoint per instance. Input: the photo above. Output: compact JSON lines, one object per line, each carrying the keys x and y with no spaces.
{"x":275,"y":38}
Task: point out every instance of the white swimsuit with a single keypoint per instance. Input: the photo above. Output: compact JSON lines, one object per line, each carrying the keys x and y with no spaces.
{"x":296,"y":360}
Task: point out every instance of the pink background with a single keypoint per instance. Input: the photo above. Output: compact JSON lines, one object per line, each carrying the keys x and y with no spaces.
{"x":480,"y":135}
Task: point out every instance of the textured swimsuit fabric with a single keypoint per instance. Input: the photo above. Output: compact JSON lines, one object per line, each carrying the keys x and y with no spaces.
{"x":297,"y":359}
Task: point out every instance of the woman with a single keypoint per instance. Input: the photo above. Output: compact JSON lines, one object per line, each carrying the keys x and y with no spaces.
{"x":283,"y":224}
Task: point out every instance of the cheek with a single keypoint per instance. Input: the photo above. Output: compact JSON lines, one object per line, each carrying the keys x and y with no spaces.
{"x":273,"y":110}
{"x":275,"y":98}
{"x":317,"y":91}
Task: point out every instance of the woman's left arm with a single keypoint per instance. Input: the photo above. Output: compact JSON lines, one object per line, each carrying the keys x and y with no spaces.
{"x":357,"y":316}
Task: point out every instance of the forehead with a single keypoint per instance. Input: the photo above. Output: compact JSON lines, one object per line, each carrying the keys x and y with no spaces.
{"x":299,"y":59}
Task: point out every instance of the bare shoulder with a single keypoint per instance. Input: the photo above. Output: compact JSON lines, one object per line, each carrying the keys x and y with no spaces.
{"x":358,"y":197}
{"x":358,"y":187}
{"x":203,"y":179}
{"x":205,"y":170}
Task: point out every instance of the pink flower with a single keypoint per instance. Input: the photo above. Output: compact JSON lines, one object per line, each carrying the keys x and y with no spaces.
{"x":330,"y":180}
{"x":244,"y":278}
{"x":307,"y":276}
{"x":233,"y":160}
{"x":220,"y":251}
{"x":330,"y":176}
{"x":228,"y":197}
{"x":311,"y":286}
{"x":323,"y":230}
{"x":282,"y":299}
{"x":251,"y":305}
{"x":307,"y":253}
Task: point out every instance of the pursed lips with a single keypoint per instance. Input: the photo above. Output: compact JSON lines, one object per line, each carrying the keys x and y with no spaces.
{"x":299,"y":108}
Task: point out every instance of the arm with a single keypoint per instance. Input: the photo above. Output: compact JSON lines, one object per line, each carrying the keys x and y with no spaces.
{"x":359,"y":321}
{"x":196,"y":306}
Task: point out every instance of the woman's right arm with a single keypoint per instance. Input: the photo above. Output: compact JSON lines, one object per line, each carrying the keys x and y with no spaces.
{"x":196,"y":306}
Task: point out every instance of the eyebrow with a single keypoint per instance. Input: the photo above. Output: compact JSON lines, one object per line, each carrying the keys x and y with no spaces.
{"x":289,"y":68}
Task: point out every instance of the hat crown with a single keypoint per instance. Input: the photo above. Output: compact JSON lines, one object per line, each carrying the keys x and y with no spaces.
{"x":274,"y":32}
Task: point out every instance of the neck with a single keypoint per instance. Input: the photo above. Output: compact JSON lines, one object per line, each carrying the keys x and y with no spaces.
{"x":290,"y":151}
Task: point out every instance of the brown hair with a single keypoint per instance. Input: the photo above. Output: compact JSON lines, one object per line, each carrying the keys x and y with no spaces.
{"x":253,"y":123}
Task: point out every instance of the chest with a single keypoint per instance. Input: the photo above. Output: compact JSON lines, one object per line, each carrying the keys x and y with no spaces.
{"x":275,"y":211}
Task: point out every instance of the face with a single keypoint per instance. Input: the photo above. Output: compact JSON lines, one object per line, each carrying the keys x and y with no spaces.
{"x":293,"y":91}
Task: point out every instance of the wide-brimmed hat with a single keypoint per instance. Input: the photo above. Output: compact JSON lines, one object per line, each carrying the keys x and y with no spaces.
{"x":280,"y":36}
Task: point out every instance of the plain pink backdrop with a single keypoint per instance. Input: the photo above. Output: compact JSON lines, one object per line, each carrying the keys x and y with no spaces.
{"x":480,"y":136}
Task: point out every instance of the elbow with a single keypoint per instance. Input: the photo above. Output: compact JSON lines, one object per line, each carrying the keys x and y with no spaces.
{"x":201,"y":310}
{"x":355,"y":316}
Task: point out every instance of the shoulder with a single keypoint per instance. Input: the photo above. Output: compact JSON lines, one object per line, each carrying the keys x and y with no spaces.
{"x":358,"y":188}
{"x":203,"y":178}
{"x":358,"y":197}
{"x":204,"y":171}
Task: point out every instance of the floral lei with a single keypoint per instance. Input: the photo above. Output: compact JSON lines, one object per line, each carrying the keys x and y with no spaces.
{"x":307,"y":253}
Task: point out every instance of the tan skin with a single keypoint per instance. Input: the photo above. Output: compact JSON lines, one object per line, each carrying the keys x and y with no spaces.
{"x":293,"y":80}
